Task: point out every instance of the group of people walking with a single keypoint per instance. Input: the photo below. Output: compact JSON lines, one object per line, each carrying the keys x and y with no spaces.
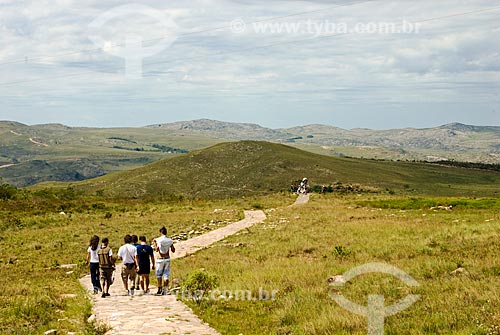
{"x":138,"y":258}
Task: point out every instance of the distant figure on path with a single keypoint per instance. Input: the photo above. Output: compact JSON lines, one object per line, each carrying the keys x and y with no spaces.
{"x":303,"y":187}
{"x":164,"y":245}
{"x":144,"y":254}
{"x":135,"y":243}
{"x":107,"y":265}
{"x":93,"y":260}
{"x":127,"y":253}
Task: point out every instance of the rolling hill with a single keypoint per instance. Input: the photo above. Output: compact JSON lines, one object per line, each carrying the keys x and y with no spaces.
{"x":251,"y":167}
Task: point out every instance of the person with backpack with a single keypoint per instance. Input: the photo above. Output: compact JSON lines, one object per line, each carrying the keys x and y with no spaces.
{"x":127,"y":253}
{"x":164,"y":245}
{"x":93,"y":261}
{"x":144,"y":254}
{"x":107,"y":266}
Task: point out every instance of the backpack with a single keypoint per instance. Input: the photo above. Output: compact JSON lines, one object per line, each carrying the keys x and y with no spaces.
{"x":104,"y":258}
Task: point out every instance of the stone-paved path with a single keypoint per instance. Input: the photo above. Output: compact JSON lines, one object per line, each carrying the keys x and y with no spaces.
{"x":302,"y":199}
{"x":149,"y":314}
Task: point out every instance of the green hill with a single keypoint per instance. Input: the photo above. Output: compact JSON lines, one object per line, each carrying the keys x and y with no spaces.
{"x":250,"y":167}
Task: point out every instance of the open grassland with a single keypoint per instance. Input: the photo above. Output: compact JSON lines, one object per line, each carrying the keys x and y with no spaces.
{"x":297,"y":249}
{"x":37,"y":294}
{"x":294,"y":252}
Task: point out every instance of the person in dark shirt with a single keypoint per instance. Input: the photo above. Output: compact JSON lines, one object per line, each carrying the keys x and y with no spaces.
{"x":135,"y":243}
{"x":144,"y":254}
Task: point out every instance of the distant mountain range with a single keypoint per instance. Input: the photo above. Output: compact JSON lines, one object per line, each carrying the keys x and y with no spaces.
{"x":452,"y":141}
{"x":31,"y":154}
{"x":450,"y":137}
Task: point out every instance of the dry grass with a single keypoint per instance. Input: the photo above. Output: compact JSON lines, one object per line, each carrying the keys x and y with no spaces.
{"x":297,"y":249}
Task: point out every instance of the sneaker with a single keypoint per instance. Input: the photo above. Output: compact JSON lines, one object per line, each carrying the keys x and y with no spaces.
{"x":103,"y":295}
{"x":165,"y":292}
{"x":107,"y":294}
{"x":127,"y":292}
{"x":137,"y":288}
{"x":95,"y":291}
{"x":132,"y":291}
{"x":160,"y":291}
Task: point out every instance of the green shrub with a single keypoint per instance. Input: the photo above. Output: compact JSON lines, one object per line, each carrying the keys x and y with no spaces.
{"x":198,"y":284}
{"x":341,"y":251}
{"x":7,"y":192}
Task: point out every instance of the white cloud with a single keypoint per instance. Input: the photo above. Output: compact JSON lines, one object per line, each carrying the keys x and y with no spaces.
{"x":452,"y":60}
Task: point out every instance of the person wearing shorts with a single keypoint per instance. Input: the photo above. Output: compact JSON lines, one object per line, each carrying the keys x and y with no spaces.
{"x":164,"y":245}
{"x":135,"y":243}
{"x":107,"y":266}
{"x":144,"y":254}
{"x":127,"y":253}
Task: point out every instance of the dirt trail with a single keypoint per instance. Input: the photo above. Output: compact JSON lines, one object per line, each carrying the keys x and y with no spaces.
{"x":38,"y":143}
{"x":302,"y":199}
{"x":150,"y":314}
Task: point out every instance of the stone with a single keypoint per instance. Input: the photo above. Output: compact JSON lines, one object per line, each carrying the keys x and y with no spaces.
{"x":68,"y":295}
{"x":338,"y":280}
{"x":91,"y":318}
{"x":68,"y":266}
{"x":51,"y":332}
{"x":459,"y":271}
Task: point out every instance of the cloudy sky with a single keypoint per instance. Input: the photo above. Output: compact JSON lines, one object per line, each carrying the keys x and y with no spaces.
{"x":279,"y":63}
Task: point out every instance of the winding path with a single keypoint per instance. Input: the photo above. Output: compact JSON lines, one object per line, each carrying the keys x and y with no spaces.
{"x":150,"y":314}
{"x":302,"y":199}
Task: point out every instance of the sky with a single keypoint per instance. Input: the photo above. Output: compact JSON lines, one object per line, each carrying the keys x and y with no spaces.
{"x":278,"y":63}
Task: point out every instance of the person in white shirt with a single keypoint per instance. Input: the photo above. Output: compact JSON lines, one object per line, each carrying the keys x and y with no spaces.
{"x":93,"y":261}
{"x":128,"y":253}
{"x":164,"y":245}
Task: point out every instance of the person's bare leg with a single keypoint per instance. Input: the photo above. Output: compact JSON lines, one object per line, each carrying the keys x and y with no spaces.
{"x":146,"y":277}
{"x":104,"y":286}
{"x":160,"y":280}
{"x":125,"y":282}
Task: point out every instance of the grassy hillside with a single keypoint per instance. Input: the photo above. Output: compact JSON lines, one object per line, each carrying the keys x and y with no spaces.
{"x":252,"y":168}
{"x":53,"y":152}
